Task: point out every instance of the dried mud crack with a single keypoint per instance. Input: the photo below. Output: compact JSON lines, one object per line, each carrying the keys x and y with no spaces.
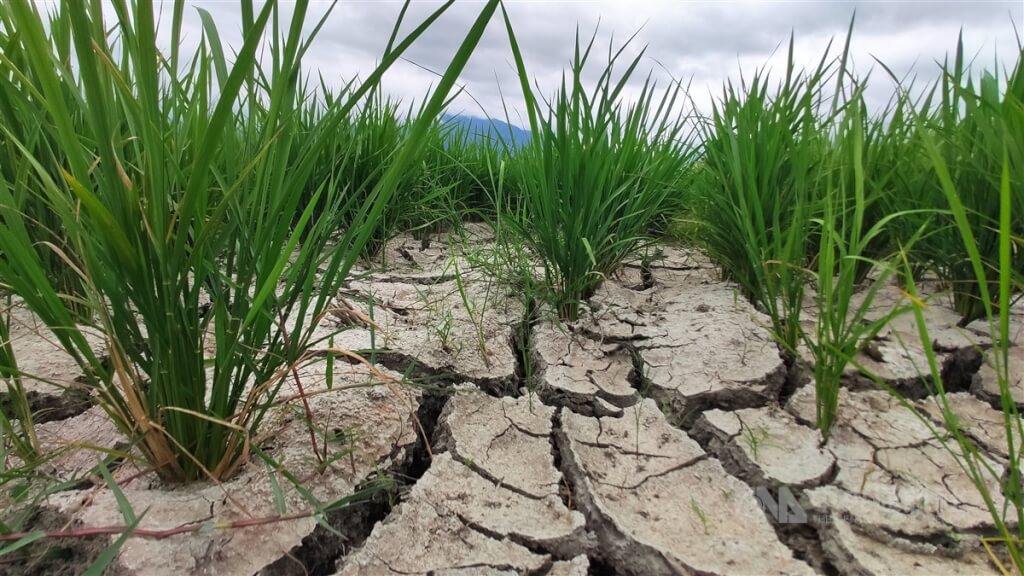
{"x":778,"y":458}
{"x":51,"y":407}
{"x":320,"y":551}
{"x":52,"y":557}
{"x":661,"y":433}
{"x":491,"y":497}
{"x":660,"y":505}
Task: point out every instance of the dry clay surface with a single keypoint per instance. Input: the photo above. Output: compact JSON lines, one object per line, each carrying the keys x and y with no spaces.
{"x":661,"y":435}
{"x":380,"y":428}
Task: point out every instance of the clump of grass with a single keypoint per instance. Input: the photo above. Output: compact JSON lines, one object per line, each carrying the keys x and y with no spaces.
{"x":996,"y":278}
{"x":24,"y":130}
{"x":762,"y":163}
{"x":368,"y":143}
{"x":462,"y":161}
{"x":975,"y":134}
{"x":596,"y":174}
{"x":187,"y":183}
{"x":842,"y":327}
{"x":897,"y":179}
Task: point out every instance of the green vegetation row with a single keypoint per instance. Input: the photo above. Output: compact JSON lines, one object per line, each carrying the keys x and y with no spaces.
{"x":180,"y":203}
{"x":137,"y":185}
{"x":805,"y":195}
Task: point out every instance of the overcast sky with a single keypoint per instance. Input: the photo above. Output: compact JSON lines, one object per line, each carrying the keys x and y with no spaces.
{"x":703,"y":42}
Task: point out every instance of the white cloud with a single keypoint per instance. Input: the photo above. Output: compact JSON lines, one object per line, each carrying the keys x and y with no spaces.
{"x":705,"y":41}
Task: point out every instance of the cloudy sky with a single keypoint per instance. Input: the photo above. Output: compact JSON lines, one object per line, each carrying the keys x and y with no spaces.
{"x":701,"y":42}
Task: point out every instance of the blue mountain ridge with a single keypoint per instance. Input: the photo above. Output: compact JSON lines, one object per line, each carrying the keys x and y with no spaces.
{"x":490,"y":129}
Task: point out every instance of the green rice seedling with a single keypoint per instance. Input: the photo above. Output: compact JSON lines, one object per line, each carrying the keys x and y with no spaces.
{"x":443,"y":321}
{"x":476,"y":314}
{"x":996,"y":287}
{"x":449,"y":184}
{"x":755,"y":438}
{"x":23,"y":123}
{"x":900,"y":178}
{"x":356,"y":158}
{"x":842,"y":327}
{"x":705,"y":522}
{"x":469,"y":161}
{"x":763,"y":153}
{"x":443,"y":331}
{"x":894,"y":175}
{"x":376,"y":135}
{"x":188,"y":183}
{"x":368,"y":141}
{"x":973,"y":128}
{"x":596,"y":174}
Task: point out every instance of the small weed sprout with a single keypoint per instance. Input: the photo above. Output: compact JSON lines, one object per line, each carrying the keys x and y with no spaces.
{"x":704,"y":521}
{"x":476,"y":314}
{"x":329,"y":375}
{"x":755,"y":438}
{"x":443,"y":330}
{"x":443,"y":324}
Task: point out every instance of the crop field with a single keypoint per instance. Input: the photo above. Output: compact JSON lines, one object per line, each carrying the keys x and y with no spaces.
{"x":251,"y":323}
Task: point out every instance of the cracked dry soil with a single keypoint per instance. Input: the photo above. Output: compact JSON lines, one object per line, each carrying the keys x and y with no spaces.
{"x":659,"y":438}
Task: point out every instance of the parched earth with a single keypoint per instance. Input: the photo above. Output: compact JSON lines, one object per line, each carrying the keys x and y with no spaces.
{"x":662,"y":433}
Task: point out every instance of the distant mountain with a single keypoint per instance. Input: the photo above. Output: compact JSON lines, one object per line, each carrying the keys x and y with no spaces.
{"x":490,"y":129}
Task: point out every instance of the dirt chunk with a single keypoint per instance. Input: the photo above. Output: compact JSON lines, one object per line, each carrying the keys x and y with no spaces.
{"x":857,"y":554}
{"x":462,"y":333}
{"x":979,"y":420}
{"x":581,"y":373}
{"x":986,"y":382}
{"x":888,"y":455}
{"x":898,"y":493}
{"x":695,"y":343}
{"x":491,"y":502}
{"x":578,"y":566}
{"x":547,"y":524}
{"x":455,"y":520}
{"x":77,"y":442}
{"x":416,"y":539}
{"x":507,"y":440}
{"x":716,"y":353}
{"x":49,"y":373}
{"x":660,"y":505}
{"x":767,"y":446}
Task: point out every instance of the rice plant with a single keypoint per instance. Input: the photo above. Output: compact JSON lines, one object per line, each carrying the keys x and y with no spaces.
{"x":374,"y":135}
{"x":996,"y":283}
{"x":973,"y":129}
{"x":434,"y":190}
{"x":901,"y":179}
{"x":596,"y":174}
{"x":23,"y":126}
{"x":763,"y":152}
{"x":439,"y":189}
{"x":896,"y":176}
{"x":847,"y":238}
{"x":460,"y":162}
{"x":188,"y":184}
